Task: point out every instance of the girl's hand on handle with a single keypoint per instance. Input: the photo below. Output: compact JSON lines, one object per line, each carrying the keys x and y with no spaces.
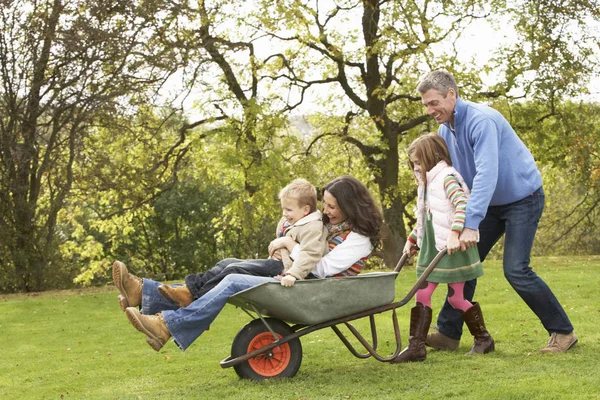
{"x":410,"y":248}
{"x":453,"y":243}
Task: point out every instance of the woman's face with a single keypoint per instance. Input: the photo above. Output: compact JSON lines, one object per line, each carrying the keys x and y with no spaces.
{"x":332,"y":209}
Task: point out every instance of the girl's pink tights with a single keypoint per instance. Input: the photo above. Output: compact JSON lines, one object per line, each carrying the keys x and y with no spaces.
{"x":456,"y":296}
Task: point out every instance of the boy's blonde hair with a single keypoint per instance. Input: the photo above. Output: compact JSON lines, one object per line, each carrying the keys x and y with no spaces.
{"x":429,"y":149}
{"x":302,"y":191}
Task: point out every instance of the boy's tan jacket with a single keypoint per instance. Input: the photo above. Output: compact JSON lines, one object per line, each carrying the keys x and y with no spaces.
{"x":311,"y":235}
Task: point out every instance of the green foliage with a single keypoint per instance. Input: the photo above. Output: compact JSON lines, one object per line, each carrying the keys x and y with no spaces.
{"x":565,"y":141}
{"x":65,"y":69}
{"x":114,"y":190}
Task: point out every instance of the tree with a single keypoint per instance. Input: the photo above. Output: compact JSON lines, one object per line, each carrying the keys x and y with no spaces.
{"x":364,"y":125}
{"x":87,"y":146}
{"x":234,"y":145}
{"x":64,"y":67}
{"x":376,"y":65}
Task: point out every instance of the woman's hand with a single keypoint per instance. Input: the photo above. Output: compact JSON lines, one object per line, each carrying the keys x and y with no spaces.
{"x":410,"y":248}
{"x":288,"y":280}
{"x":281,"y":243}
{"x":453,"y":244}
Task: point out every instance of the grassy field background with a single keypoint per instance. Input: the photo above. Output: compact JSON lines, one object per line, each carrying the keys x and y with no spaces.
{"x":79,"y":345}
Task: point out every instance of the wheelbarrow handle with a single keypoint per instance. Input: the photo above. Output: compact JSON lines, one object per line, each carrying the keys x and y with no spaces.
{"x":423,"y":278}
{"x":401,"y":262}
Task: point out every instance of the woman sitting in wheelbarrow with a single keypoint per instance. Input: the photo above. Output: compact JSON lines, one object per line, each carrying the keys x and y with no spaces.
{"x":353,"y":222}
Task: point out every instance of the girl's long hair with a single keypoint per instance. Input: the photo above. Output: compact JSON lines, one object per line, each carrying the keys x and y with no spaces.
{"x":357,"y":203}
{"x":429,"y":149}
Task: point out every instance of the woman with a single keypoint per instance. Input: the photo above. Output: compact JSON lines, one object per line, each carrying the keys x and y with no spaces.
{"x":353,"y":221}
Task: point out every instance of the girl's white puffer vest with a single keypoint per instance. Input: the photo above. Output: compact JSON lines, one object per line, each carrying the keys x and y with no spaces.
{"x":442,"y":210}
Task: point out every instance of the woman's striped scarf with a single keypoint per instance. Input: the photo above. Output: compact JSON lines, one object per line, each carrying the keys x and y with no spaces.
{"x":337,"y":234}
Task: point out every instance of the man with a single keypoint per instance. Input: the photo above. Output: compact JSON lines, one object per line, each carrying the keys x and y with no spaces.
{"x":506,"y":198}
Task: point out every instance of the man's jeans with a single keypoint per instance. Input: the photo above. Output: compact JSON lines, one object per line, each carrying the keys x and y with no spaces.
{"x":200,"y":284}
{"x":187,"y":323}
{"x":519,"y":221}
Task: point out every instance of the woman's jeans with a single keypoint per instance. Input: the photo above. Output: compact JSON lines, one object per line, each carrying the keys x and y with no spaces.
{"x":187,"y":323}
{"x":519,"y":221}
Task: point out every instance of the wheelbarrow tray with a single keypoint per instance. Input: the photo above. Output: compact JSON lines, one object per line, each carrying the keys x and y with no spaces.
{"x":313,"y":301}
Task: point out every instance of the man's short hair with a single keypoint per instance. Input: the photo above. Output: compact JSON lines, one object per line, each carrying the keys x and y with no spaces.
{"x":302,"y":191}
{"x":439,"y":80}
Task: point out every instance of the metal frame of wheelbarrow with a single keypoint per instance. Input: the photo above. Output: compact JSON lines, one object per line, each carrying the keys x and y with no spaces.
{"x":300,"y":330}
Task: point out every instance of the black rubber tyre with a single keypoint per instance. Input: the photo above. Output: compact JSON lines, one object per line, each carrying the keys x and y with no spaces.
{"x":281,"y":362}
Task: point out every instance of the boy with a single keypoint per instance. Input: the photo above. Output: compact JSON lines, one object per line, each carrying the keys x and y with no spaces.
{"x":301,"y":222}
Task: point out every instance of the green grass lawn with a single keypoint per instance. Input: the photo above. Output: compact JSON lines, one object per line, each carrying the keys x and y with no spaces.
{"x":79,"y":344}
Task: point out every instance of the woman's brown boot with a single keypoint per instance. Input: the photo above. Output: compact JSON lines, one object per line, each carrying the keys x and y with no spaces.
{"x":180,"y":295}
{"x":420,"y":319}
{"x":483,"y":340}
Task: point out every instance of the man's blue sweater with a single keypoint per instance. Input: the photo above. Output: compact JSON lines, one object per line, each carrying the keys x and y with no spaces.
{"x":496,"y":165}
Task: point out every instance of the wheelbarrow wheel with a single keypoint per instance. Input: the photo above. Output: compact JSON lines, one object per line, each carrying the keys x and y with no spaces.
{"x":281,"y":362}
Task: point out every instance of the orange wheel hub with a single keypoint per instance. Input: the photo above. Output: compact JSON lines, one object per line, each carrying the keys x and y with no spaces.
{"x":273,"y":362}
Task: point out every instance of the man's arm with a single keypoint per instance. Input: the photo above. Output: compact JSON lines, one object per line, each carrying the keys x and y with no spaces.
{"x":485,"y":141}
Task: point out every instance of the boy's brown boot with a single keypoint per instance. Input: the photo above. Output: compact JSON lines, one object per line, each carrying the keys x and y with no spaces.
{"x":179,"y":295}
{"x":420,"y":318}
{"x":153,"y":326}
{"x":483,"y":340}
{"x":437,"y":340}
{"x":130,"y":286}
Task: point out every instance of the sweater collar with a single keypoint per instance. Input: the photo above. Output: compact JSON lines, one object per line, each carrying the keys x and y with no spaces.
{"x":460,"y":110}
{"x":314,"y":216}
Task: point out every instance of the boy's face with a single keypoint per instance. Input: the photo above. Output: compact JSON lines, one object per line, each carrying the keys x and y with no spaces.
{"x":292,"y":211}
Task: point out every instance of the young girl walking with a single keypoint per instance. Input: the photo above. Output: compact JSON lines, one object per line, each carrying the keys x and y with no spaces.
{"x":441,"y":204}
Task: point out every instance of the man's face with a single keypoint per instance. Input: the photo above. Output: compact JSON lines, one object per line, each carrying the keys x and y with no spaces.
{"x":440,"y":107}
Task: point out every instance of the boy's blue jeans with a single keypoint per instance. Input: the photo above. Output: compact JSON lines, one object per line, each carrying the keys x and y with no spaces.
{"x":519,"y":221}
{"x":187,"y":324}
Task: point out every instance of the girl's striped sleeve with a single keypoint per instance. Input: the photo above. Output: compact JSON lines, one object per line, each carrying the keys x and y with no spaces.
{"x":458,"y":198}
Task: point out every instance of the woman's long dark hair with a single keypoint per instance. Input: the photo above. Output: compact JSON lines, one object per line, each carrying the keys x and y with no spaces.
{"x":356,"y":202}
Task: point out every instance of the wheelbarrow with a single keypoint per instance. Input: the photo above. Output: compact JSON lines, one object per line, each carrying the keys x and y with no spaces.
{"x":268,"y":347}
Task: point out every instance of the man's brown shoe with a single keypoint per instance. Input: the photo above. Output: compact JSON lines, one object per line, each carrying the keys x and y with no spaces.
{"x":439,"y":341}
{"x":130,"y":286}
{"x":179,"y":295}
{"x":153,"y":326}
{"x":559,"y":343}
